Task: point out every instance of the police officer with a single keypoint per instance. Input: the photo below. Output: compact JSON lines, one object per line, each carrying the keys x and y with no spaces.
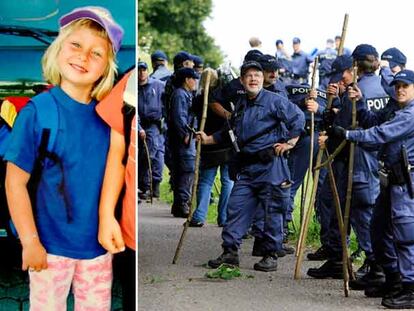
{"x":326,"y":58}
{"x":397,"y":138}
{"x":262,"y":174}
{"x":271,"y":80}
{"x":285,"y":62}
{"x":308,"y":101}
{"x":182,"y":146}
{"x":392,"y":62}
{"x":181,"y":59}
{"x":345,"y":51}
{"x":150,"y":115}
{"x":198,"y":64}
{"x":300,"y":63}
{"x":365,"y":179}
{"x":159,"y":61}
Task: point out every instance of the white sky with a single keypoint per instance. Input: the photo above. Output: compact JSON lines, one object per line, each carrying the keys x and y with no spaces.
{"x":381,"y":23}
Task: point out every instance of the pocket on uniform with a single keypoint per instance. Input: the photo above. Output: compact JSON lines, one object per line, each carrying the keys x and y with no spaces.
{"x":404,"y":232}
{"x":363,"y":194}
{"x":280,"y":197}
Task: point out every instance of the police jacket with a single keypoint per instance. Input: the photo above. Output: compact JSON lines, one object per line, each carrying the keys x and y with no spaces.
{"x":386,"y":78}
{"x":268,"y":114}
{"x":326,"y":58}
{"x":162,"y":73}
{"x":278,"y":87}
{"x":300,"y":64}
{"x":298,"y":93}
{"x":393,"y":134}
{"x":149,"y":101}
{"x":228,"y":93}
{"x":181,"y":116}
{"x":374,"y":94}
{"x":258,"y":124}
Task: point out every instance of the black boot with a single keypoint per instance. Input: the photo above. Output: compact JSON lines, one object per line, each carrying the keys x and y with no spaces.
{"x":403,"y":300}
{"x":180,"y":210}
{"x":229,"y":256}
{"x":145,"y":195}
{"x":364,"y":269}
{"x":259,"y":251}
{"x":330,"y":269}
{"x":257,"y":247}
{"x":156,"y":190}
{"x":287,"y":249}
{"x":322,"y":253}
{"x":267,"y":263}
{"x":390,"y":288}
{"x":374,"y":277}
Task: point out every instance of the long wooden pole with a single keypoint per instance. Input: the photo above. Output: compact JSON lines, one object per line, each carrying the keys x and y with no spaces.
{"x":197,"y":165}
{"x":305,"y":222}
{"x":149,"y":168}
{"x":350,"y":179}
{"x":306,"y":218}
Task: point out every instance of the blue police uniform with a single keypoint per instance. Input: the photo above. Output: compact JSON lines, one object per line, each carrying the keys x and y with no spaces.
{"x":300,"y":67}
{"x":326,"y":58}
{"x":260,"y":184}
{"x":182,"y":156}
{"x":381,"y":231}
{"x":278,"y":87}
{"x":365,"y":178}
{"x":299,"y":155}
{"x":150,"y":116}
{"x":162,"y":73}
{"x":393,"y":134}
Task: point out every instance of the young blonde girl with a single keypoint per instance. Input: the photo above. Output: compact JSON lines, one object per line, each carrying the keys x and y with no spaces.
{"x":59,"y":234}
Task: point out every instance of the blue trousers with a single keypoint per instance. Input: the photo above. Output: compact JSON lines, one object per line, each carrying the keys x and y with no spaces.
{"x":298,"y":165}
{"x":401,"y":223}
{"x":382,"y":233}
{"x":205,"y":184}
{"x":360,"y":216}
{"x":247,"y":197}
{"x":155,"y":143}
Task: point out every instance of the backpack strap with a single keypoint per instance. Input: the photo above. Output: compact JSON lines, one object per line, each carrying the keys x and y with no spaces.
{"x":48,"y":118}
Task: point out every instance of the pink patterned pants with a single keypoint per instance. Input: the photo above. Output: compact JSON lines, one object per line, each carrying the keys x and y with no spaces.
{"x":91,"y":281}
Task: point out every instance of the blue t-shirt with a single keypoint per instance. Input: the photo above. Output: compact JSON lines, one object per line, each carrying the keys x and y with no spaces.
{"x":71,"y":186}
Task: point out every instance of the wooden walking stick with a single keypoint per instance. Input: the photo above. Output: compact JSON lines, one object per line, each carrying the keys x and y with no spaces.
{"x":149,"y":166}
{"x":340,"y":52}
{"x":197,"y":164}
{"x":308,"y":179}
{"x":350,"y":175}
{"x":305,"y":222}
{"x":346,"y":265}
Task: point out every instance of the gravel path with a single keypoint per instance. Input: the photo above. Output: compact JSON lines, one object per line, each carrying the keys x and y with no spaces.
{"x":164,"y":286}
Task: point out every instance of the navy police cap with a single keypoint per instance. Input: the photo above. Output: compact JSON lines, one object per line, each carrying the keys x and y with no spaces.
{"x":252,"y":55}
{"x":159,"y":55}
{"x":249,"y":65}
{"x":363,"y":50}
{"x":186,"y":72}
{"x":269,"y":62}
{"x":142,"y":65}
{"x":296,"y":40}
{"x":405,"y":76}
{"x":198,"y":61}
{"x":394,"y":57}
{"x":340,"y":64}
{"x":181,"y":57}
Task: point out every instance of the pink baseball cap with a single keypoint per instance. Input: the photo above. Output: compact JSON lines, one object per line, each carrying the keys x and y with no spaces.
{"x":100,"y":15}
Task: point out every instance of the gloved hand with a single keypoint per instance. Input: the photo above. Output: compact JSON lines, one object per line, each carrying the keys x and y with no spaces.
{"x":337,"y":132}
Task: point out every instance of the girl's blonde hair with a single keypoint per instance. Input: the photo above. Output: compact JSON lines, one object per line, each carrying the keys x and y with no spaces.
{"x":52,"y":73}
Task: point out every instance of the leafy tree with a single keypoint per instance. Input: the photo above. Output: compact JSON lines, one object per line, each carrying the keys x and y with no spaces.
{"x":175,"y":25}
